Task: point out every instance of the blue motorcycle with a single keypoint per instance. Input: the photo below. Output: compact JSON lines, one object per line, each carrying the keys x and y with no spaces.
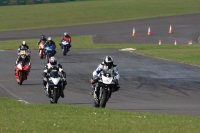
{"x":64,"y":47}
{"x":50,"y":51}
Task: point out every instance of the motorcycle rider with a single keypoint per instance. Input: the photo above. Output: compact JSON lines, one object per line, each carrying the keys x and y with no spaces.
{"x":27,"y":57}
{"x":66,"y":37}
{"x":51,"y":43}
{"x":106,"y":65}
{"x":42,"y":39}
{"x":53,"y":65}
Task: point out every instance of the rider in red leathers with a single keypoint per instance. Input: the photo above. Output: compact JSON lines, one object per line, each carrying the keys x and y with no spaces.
{"x":66,"y":37}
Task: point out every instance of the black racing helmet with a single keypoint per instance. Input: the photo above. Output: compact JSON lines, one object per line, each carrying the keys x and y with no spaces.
{"x":53,"y":61}
{"x":42,"y":37}
{"x":108,"y":61}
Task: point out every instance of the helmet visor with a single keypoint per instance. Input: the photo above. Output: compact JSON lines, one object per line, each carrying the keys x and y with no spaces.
{"x":109,"y":64}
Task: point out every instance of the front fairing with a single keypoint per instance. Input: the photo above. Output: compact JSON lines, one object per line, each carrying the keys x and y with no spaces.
{"x":65,"y":43}
{"x":54,"y":79}
{"x":22,"y":66}
{"x":49,"y":48}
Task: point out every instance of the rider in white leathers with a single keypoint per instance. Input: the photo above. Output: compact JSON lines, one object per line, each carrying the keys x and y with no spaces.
{"x":52,"y":65}
{"x":106,"y":65}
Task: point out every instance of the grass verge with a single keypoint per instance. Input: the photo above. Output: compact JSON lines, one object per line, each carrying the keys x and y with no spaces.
{"x":45,"y":118}
{"x":88,"y":12}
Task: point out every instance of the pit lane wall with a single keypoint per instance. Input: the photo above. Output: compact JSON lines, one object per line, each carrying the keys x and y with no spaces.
{"x":24,"y":2}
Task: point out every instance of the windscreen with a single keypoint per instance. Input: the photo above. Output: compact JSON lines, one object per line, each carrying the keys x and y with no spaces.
{"x":54,"y":74}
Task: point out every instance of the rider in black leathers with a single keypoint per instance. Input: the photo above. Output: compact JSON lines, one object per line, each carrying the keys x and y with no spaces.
{"x":53,"y":65}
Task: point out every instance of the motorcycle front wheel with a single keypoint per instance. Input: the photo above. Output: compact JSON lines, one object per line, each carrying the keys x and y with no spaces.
{"x":21,"y":75}
{"x":41,"y":54}
{"x":55,"y":98}
{"x":47,"y":57}
{"x":199,"y":39}
{"x":64,"y":51}
{"x":104,"y":99}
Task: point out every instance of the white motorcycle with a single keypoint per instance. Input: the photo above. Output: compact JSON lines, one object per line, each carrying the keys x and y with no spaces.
{"x":54,"y":86}
{"x":64,"y":47}
{"x":106,"y":88}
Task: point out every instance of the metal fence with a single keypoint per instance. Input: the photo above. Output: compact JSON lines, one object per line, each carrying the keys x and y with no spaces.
{"x":24,"y":2}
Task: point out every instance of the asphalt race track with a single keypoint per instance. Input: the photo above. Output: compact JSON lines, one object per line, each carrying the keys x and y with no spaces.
{"x":147,"y":84}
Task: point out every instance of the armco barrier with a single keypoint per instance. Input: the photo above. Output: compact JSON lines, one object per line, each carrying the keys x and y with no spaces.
{"x":56,"y":1}
{"x":4,"y":2}
{"x":21,"y":2}
{"x":12,"y":2}
{"x":24,"y":2}
{"x":46,"y":1}
{"x":29,"y":1}
{"x":37,"y":1}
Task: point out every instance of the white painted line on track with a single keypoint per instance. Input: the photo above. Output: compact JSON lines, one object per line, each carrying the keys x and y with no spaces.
{"x":23,"y":101}
{"x":20,"y":99}
{"x":127,"y":49}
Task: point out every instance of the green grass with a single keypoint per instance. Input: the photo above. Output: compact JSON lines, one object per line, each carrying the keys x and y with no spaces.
{"x":85,"y":12}
{"x":46,"y":118}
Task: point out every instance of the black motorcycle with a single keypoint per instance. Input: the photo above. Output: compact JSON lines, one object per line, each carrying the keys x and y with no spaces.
{"x":54,"y":85}
{"x":105,"y":90}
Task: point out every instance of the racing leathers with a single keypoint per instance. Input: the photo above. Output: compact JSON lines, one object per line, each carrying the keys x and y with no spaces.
{"x":51,"y":43}
{"x":47,"y":69}
{"x":66,"y":38}
{"x":41,"y":40}
{"x":97,"y":73}
{"x":27,"y":57}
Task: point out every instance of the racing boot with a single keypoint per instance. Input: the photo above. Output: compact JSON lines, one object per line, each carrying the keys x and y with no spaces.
{"x":62,"y":93}
{"x":96,"y":94}
{"x":49,"y":93}
{"x":93,"y":88}
{"x":116,"y":87}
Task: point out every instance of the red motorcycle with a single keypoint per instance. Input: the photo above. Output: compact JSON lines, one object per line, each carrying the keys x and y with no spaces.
{"x":41,"y":52}
{"x":22,"y":69}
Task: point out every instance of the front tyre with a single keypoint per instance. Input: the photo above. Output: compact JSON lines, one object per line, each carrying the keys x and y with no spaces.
{"x":199,"y":39}
{"x":41,"y":54}
{"x":64,"y":51}
{"x":21,"y":77}
{"x":104,"y":100}
{"x":55,"y":98}
{"x":47,"y":57}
